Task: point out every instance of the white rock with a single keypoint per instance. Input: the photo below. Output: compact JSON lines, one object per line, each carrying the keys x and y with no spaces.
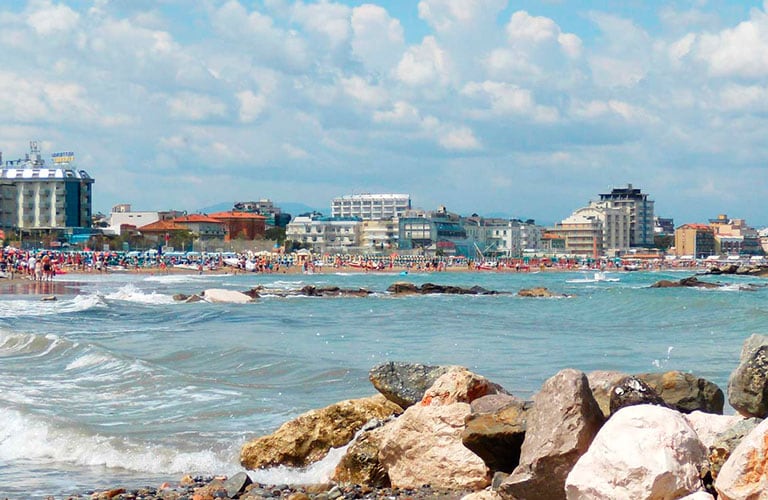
{"x":699,"y":495}
{"x":220,"y":295}
{"x":708,"y":425}
{"x":745,"y":473}
{"x":643,"y":451}
{"x":423,"y":446}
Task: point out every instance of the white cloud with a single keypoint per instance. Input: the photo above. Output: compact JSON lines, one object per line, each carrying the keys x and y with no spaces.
{"x":363,"y":92}
{"x":425,"y":64}
{"x":506,"y":99}
{"x":329,"y":20}
{"x":195,"y":107}
{"x":744,"y":98}
{"x":378,"y":39}
{"x":445,"y":15}
{"x":294,"y":152}
{"x":401,"y":113}
{"x":741,"y":51}
{"x":251,"y":105}
{"x":458,"y":139}
{"x":48,"y":19}
{"x":601,"y":109}
{"x":524,"y":29}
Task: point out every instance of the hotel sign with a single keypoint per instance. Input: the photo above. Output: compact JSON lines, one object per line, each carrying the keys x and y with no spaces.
{"x":65,"y":157}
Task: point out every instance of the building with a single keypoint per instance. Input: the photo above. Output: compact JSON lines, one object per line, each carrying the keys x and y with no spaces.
{"x":204,"y":227}
{"x":436,"y":232}
{"x":123,"y":217}
{"x":583,"y":234}
{"x":735,"y":237}
{"x":274,"y":215}
{"x":325,"y":234}
{"x":694,"y":240}
{"x":502,"y":237}
{"x":160,"y":231}
{"x":640,"y":213}
{"x":371,"y":206}
{"x":241,"y":225}
{"x":379,"y":234}
{"x":37,"y":195}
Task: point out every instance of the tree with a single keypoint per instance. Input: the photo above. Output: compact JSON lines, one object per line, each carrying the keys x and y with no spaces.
{"x":275,"y":234}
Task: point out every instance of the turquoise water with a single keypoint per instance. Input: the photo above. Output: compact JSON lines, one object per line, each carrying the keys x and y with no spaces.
{"x":116,"y":384}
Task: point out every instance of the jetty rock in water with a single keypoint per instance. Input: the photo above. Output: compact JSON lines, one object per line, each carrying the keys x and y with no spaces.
{"x":691,"y":281}
{"x":760,"y":271}
{"x":407,"y":288}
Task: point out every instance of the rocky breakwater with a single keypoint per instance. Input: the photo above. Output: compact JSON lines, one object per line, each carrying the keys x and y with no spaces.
{"x":694,"y":282}
{"x":760,"y":271}
{"x":407,"y":288}
{"x":602,"y":435}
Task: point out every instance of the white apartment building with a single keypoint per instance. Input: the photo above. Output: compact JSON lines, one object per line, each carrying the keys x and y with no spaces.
{"x":325,"y":234}
{"x":380,"y":234}
{"x":600,"y":225}
{"x":34,"y":195}
{"x":371,"y":206}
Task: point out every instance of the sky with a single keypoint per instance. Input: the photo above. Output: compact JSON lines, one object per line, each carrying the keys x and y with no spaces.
{"x":526,"y":108}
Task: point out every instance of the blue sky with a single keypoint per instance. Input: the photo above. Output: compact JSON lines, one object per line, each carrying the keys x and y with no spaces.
{"x":530,"y":108}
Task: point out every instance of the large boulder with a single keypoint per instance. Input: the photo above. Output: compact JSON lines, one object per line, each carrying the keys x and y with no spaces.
{"x":220,"y":295}
{"x":560,"y":427}
{"x":497,"y":435}
{"x":748,"y":383}
{"x":722,"y":446}
{"x":643,"y":451}
{"x":310,"y":436}
{"x":360,"y":465}
{"x":459,"y":385}
{"x":423,"y":446}
{"x":631,"y":391}
{"x":709,"y":426}
{"x":745,"y":473}
{"x":601,"y":382}
{"x":404,"y":383}
{"x":686,"y":392}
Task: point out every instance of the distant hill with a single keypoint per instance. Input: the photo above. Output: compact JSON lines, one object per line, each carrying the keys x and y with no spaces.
{"x":292,"y":208}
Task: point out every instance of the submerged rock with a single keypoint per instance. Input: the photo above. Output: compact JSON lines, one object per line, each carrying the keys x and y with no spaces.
{"x":539,"y":292}
{"x":691,"y":281}
{"x":406,"y":288}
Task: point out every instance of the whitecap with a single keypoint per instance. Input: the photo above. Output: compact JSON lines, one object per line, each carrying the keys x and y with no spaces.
{"x":129,"y":293}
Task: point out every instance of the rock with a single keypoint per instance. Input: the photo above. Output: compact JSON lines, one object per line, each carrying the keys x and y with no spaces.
{"x":486,"y":494}
{"x":560,"y":427}
{"x":423,"y":446}
{"x":308,"y":438}
{"x":236,"y":484}
{"x":643,"y":451}
{"x":699,"y":495}
{"x":220,"y":295}
{"x":403,"y":288}
{"x":722,"y":446}
{"x":601,"y":382}
{"x":332,"y":291}
{"x":691,"y":281}
{"x":492,"y":403}
{"x":497,"y":436}
{"x":709,"y":426}
{"x":361,"y":464}
{"x":539,"y":292}
{"x":631,"y":391}
{"x":459,"y":385}
{"x":48,"y":298}
{"x":404,"y":383}
{"x":745,"y":473}
{"x":748,"y":383}
{"x":686,"y":392}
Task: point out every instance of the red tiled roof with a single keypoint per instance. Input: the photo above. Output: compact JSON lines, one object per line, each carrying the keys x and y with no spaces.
{"x":196,"y":218}
{"x":236,"y":215}
{"x":162,"y":226}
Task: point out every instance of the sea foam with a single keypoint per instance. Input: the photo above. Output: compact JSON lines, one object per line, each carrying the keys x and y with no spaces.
{"x":130,"y":293}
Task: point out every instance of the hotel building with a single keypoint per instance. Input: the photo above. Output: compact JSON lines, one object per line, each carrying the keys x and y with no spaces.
{"x":371,"y":206}
{"x":35,"y":195}
{"x":640,"y":213}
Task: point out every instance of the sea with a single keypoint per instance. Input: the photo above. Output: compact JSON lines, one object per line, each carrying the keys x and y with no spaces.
{"x":116,"y":384}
